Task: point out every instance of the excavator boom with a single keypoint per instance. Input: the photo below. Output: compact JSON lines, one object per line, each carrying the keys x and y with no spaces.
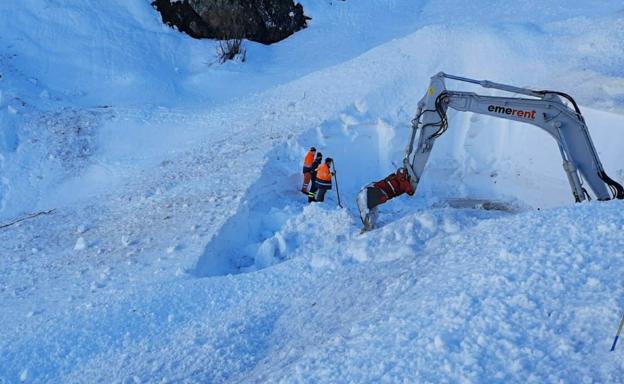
{"x":544,"y":109}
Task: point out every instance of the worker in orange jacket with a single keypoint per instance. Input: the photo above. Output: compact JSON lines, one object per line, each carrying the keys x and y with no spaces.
{"x":323,"y":181}
{"x":308,"y":161}
{"x":317,"y":161}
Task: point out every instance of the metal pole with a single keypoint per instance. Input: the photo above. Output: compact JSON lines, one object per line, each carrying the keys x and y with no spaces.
{"x":617,"y":335}
{"x":336,"y":178}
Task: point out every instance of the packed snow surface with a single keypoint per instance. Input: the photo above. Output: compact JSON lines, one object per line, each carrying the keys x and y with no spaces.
{"x":180,"y":249}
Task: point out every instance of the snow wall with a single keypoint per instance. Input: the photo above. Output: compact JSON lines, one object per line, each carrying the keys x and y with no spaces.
{"x":119,"y":53}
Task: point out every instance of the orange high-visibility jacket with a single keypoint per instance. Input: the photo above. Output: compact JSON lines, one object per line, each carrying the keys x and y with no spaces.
{"x":323,"y":173}
{"x":307,"y":161}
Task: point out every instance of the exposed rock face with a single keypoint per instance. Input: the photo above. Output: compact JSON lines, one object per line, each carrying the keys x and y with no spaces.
{"x":264,"y":21}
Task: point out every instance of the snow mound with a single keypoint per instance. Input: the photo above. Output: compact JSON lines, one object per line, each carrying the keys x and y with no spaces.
{"x":171,"y":176}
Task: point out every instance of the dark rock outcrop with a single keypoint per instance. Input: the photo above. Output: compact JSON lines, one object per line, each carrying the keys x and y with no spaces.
{"x":264,"y":21}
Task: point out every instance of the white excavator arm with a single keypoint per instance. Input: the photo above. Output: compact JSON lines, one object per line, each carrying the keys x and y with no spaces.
{"x":545,"y":109}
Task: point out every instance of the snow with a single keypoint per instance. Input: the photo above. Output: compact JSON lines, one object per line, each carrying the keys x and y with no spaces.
{"x":182,"y":251}
{"x":81,"y":244}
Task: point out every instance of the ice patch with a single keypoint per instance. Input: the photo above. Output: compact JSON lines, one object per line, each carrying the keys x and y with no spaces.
{"x":81,"y":244}
{"x":271,"y":251}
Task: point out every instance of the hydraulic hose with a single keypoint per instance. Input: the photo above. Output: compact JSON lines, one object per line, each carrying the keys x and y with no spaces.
{"x":616,"y":188}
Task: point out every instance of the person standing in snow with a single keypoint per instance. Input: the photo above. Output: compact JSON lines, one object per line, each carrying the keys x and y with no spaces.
{"x":307,"y":169}
{"x":379,"y":192}
{"x":323,"y":181}
{"x":315,"y":165}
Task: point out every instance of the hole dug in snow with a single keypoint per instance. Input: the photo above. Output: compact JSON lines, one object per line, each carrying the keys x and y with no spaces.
{"x":274,"y":220}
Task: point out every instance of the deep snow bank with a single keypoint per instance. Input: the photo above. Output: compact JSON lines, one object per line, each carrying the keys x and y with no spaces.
{"x":529,"y":297}
{"x":98,"y":52}
{"x":118,"y":53}
{"x":467,"y":296}
{"x":101,"y":291}
{"x":516,"y":166}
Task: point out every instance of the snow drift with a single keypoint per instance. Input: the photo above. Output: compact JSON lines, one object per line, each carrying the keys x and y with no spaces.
{"x":171,"y":176}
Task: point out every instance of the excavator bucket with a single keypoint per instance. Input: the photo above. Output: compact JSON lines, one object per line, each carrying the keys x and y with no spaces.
{"x":367,"y":207}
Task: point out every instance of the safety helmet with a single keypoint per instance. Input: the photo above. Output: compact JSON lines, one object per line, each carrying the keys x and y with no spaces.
{"x":312,"y":149}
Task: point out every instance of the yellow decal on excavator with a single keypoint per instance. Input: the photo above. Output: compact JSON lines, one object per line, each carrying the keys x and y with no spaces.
{"x":430,"y":91}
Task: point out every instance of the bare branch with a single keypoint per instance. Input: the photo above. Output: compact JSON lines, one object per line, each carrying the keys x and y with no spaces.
{"x":29,"y":216}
